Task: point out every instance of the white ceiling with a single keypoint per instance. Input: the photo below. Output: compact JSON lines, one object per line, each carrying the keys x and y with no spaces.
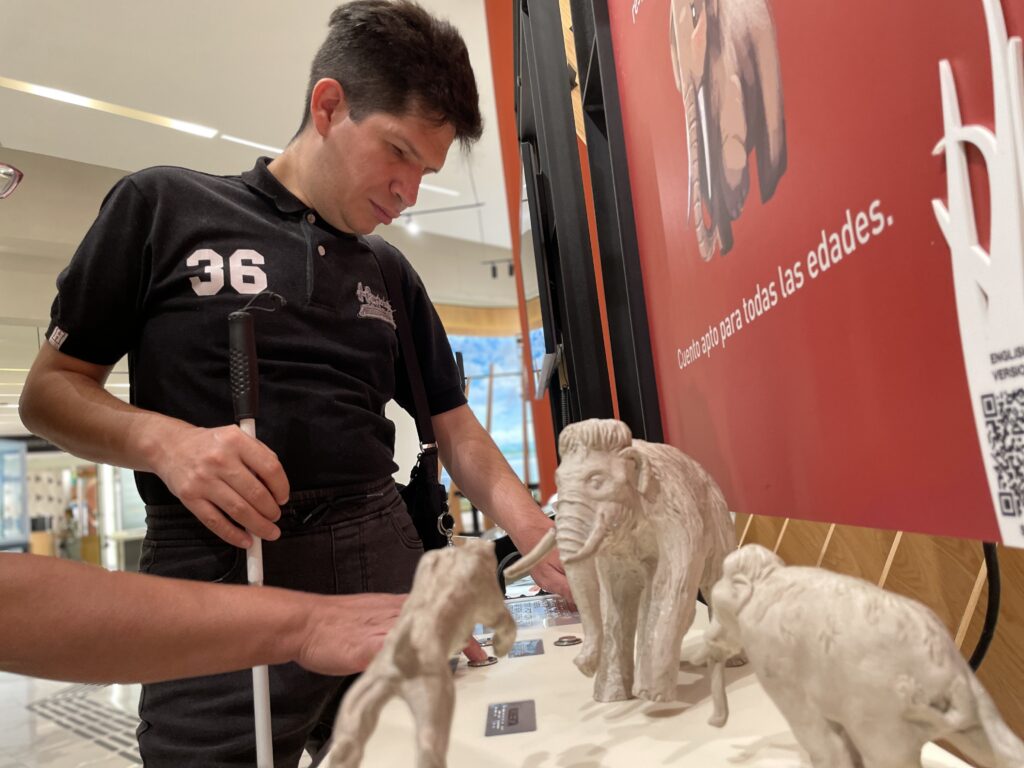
{"x":239,"y":66}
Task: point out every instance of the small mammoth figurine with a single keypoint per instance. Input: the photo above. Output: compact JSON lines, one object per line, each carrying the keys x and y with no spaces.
{"x":454,"y":589}
{"x":864,"y":677}
{"x":640,"y":527}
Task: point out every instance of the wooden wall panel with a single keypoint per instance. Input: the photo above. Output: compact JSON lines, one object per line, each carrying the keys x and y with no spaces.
{"x":742,"y":518}
{"x":764,"y":531}
{"x":858,"y":551}
{"x":802,"y":542}
{"x":938,"y":571}
{"x":1002,"y":671}
{"x":479,"y":321}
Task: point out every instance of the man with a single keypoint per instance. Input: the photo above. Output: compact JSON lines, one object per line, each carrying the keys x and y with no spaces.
{"x":172,"y":253}
{"x":76,"y":622}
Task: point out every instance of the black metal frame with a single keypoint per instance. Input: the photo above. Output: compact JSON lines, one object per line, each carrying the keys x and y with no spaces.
{"x":632,"y":358}
{"x":561,"y":236}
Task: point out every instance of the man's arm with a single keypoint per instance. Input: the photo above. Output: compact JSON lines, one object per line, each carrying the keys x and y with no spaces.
{"x":212,"y":471}
{"x":81,"y":623}
{"x":483,"y":474}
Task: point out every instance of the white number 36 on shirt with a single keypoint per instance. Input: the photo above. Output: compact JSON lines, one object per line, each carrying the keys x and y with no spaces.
{"x":243,"y":273}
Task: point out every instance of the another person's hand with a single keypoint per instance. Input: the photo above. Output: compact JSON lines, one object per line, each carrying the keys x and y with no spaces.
{"x":549,"y":573}
{"x":344,"y":633}
{"x":474,"y":651}
{"x":223,"y":473}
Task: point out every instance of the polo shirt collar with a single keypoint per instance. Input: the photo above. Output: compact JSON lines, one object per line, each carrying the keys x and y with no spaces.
{"x":261,"y":180}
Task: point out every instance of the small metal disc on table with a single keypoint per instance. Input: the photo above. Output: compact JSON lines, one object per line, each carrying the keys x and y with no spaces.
{"x":485,"y":663}
{"x":565,"y":640}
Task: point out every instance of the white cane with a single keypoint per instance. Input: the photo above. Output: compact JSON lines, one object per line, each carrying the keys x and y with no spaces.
{"x":245,"y":398}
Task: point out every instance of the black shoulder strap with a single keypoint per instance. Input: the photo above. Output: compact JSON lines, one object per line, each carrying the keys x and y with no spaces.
{"x":387,"y":260}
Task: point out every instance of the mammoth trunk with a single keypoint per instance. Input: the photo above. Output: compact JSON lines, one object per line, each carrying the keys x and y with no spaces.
{"x":720,"y":702}
{"x":697,"y":144}
{"x":579,"y":535}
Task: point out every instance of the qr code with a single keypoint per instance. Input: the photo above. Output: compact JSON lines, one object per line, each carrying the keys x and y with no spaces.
{"x":1004,"y":422}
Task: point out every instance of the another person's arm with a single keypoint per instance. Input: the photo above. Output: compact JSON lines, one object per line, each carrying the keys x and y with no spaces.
{"x":210,"y":470}
{"x":75,"y":622}
{"x":485,"y":477}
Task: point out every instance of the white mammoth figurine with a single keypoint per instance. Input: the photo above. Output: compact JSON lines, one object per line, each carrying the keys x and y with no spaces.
{"x":864,"y":677}
{"x":640,"y":527}
{"x":454,"y":589}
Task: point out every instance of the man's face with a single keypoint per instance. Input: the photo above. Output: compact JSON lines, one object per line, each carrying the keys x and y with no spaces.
{"x":368,"y":171}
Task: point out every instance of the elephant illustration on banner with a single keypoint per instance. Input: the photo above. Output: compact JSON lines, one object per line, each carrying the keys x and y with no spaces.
{"x":726,"y":64}
{"x":640,"y":527}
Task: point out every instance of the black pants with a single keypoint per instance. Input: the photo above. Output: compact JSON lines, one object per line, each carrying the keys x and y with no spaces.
{"x":340,"y":541}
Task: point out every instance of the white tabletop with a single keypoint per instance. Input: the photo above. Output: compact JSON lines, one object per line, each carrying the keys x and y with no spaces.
{"x":574,"y":731}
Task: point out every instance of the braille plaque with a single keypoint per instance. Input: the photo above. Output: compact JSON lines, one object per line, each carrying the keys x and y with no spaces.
{"x":512,"y":717}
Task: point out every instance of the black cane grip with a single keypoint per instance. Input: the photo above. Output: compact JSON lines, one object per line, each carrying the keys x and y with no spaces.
{"x":245,"y":393}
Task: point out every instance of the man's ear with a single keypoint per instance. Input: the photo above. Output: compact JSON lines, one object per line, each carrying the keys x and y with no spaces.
{"x":327,"y":104}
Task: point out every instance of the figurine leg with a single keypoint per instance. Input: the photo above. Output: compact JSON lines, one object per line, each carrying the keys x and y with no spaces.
{"x":432,"y":701}
{"x":823,"y":740}
{"x":887,"y":743}
{"x":668,"y":619}
{"x":357,"y":719}
{"x":658,"y":660}
{"x":620,"y":594}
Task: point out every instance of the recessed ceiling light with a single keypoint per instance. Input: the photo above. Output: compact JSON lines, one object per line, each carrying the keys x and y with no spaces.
{"x":106,"y":106}
{"x":439,"y":190}
{"x":253,"y":144}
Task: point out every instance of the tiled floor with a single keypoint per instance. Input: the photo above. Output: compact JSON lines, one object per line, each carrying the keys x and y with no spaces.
{"x":45,"y":724}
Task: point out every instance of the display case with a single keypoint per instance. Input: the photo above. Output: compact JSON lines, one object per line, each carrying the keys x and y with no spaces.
{"x":13,"y":498}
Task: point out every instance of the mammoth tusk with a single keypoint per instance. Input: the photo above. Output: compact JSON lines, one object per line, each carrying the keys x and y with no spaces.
{"x":519,"y":569}
{"x":702,"y":113}
{"x":720,"y":714}
{"x":590,"y":545}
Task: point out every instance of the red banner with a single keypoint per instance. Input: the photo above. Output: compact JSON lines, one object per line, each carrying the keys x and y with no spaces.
{"x":829,"y":339}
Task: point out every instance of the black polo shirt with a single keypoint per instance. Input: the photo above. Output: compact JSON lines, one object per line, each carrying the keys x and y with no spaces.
{"x":173,"y":252}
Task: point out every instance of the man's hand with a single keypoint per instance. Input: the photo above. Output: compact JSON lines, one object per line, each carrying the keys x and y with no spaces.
{"x":344,"y":633}
{"x":550,"y":576}
{"x":223,"y":473}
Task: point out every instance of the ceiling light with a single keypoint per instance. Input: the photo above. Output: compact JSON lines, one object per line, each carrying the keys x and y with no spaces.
{"x":106,"y":106}
{"x":412,"y":226}
{"x":253,"y":144}
{"x":10,"y":177}
{"x":439,"y":190}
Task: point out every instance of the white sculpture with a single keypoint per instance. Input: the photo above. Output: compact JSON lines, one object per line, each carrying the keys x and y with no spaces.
{"x":640,"y":528}
{"x":864,"y":677}
{"x":989,"y":284}
{"x":454,"y":588}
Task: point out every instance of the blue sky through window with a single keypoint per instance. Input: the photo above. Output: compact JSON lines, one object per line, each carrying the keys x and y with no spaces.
{"x":478,"y":353}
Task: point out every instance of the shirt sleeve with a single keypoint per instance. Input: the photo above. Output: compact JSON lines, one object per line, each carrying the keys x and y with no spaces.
{"x":96,"y":315}
{"x":441,"y":378}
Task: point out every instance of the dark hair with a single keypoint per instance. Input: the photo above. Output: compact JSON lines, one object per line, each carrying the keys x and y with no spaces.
{"x":393,"y":56}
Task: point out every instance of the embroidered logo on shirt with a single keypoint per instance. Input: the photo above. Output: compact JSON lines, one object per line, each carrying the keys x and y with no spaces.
{"x":57,"y":338}
{"x":374,"y":306}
